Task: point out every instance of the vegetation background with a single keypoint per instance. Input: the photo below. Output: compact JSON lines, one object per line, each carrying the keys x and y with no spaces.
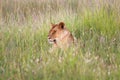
{"x":24,"y":49}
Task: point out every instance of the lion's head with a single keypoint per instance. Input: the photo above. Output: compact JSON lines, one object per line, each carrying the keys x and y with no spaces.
{"x":59,"y":35}
{"x":56,"y":32}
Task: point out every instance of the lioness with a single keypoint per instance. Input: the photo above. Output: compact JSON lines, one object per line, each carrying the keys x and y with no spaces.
{"x":59,"y":36}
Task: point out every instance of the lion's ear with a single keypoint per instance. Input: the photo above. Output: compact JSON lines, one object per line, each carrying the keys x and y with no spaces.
{"x":52,"y":25}
{"x":61,"y":24}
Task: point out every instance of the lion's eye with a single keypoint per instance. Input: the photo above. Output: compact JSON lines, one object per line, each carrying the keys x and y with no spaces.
{"x":54,"y":32}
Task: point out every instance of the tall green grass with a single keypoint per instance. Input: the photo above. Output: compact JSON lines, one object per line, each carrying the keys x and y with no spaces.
{"x":24,"y":49}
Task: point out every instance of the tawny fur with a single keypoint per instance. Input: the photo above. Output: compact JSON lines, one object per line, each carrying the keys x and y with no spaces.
{"x":59,"y":36}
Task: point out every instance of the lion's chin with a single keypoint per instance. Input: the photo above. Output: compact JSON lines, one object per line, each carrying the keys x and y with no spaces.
{"x":51,"y":42}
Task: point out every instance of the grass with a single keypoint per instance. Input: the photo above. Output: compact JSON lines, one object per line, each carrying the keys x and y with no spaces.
{"x":24,"y":49}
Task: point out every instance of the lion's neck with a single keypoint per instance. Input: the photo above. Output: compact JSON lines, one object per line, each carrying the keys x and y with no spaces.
{"x":64,"y":40}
